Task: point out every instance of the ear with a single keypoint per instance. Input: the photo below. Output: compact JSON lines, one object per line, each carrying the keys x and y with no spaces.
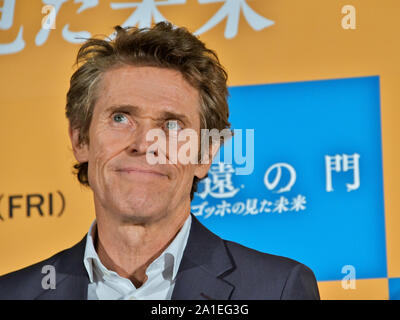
{"x":81,"y":151}
{"x":206,"y":160}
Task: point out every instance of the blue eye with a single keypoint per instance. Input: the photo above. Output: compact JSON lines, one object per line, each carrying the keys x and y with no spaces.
{"x":119,"y":117}
{"x":173,"y":125}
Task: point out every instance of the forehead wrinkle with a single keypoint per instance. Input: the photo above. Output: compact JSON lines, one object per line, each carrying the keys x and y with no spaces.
{"x":171,"y":89}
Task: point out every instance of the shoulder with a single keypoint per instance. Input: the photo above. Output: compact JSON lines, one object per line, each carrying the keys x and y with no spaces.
{"x":267,"y":275}
{"x":26,"y":283}
{"x":245,"y":257}
{"x":255,"y":275}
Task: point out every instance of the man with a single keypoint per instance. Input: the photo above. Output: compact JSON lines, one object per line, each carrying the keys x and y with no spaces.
{"x":144,"y":243}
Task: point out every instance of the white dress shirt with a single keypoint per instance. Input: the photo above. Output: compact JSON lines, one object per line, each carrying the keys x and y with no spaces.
{"x":161,"y":273}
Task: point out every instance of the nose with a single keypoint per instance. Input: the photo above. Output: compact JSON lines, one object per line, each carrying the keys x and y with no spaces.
{"x":149,"y":141}
{"x":139,"y":144}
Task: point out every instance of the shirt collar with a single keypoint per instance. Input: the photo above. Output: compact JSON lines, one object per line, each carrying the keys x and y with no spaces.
{"x":175,"y":251}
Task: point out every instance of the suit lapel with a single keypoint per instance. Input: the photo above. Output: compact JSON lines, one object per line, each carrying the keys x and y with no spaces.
{"x":204,"y":264}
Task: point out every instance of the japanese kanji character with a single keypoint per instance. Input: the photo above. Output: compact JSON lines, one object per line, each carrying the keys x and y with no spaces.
{"x":6,"y":22}
{"x":298,"y":203}
{"x":220,"y":185}
{"x":280,"y":205}
{"x":231,"y":10}
{"x":343,"y":163}
{"x":145,"y":12}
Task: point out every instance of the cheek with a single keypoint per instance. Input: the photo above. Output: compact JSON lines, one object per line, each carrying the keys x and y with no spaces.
{"x":183,"y":148}
{"x":107,"y":135}
{"x":186,"y":157}
{"x":185,"y":181}
{"x":185,"y":175}
{"x":109,"y":139}
{"x":106,"y":145}
{"x":102,"y":151}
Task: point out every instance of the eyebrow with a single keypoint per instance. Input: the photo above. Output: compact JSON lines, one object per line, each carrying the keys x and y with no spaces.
{"x":136,"y":111}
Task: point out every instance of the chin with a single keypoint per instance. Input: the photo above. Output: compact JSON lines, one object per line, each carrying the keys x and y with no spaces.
{"x":139,"y":218}
{"x":141,"y":212}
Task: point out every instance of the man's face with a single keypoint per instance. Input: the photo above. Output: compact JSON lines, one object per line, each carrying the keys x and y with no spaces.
{"x":133,"y":100}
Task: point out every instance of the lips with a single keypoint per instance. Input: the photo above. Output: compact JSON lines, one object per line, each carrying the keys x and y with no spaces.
{"x":134,"y":170}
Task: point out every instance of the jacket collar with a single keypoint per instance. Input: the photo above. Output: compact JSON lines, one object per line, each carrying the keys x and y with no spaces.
{"x":204,"y":264}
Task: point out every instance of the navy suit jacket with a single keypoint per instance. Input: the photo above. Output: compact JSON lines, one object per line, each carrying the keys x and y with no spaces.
{"x":211,"y":268}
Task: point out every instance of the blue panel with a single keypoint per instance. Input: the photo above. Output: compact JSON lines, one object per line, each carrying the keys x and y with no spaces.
{"x":299,"y":124}
{"x":394,"y":289}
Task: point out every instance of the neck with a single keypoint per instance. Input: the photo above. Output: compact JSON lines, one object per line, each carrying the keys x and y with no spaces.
{"x":129,"y":248}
